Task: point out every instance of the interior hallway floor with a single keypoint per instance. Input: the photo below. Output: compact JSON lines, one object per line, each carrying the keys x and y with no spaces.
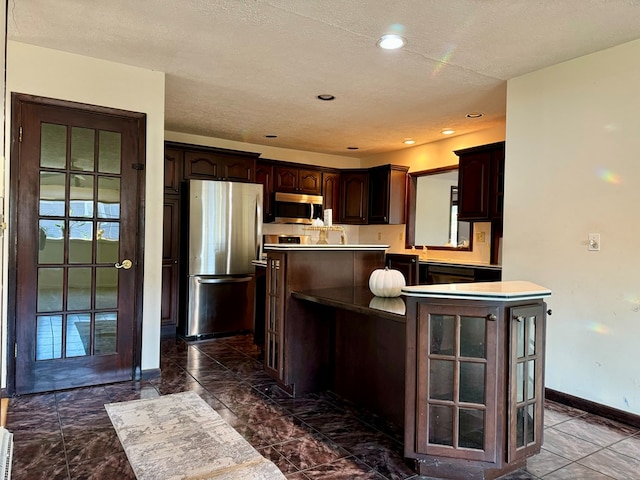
{"x":68,"y":435}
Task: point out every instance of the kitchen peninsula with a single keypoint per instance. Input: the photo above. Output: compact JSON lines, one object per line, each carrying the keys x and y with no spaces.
{"x":461,"y":373}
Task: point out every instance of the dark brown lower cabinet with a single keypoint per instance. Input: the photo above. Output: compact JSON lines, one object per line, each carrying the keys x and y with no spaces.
{"x":474,"y":386}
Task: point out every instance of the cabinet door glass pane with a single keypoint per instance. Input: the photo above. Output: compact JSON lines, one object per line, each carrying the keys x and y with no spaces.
{"x":472,"y":337}
{"x":531,"y":379}
{"x":441,"y":380}
{"x":520,"y":427}
{"x":442,"y":334}
{"x":440,"y":425}
{"x":520,"y":382}
{"x":520,"y":339}
{"x":531,"y":329}
{"x":53,"y":145}
{"x":471,"y":429}
{"x":472,"y":380}
{"x":530,"y":419}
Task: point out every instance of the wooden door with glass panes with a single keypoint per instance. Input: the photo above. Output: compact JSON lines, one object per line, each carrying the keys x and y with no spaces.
{"x":526,"y":367}
{"x":456,"y":381}
{"x":76,"y":173}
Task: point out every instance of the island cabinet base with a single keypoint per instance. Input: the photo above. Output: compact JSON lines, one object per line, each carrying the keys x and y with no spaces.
{"x":474,"y":398}
{"x":453,"y":469}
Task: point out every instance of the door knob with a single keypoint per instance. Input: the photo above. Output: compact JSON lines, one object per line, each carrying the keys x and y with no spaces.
{"x":126,"y":264}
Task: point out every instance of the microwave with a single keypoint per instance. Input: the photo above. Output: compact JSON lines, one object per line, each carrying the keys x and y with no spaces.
{"x":297,"y":208}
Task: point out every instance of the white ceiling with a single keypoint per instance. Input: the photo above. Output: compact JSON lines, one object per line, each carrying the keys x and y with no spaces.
{"x":243,"y":69}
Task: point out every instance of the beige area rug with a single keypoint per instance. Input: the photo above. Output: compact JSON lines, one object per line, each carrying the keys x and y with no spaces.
{"x":180,"y":436}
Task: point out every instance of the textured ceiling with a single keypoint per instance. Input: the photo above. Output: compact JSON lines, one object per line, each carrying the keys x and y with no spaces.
{"x":243,"y":69}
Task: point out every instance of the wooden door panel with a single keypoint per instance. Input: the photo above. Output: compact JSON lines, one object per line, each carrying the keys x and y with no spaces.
{"x":77,"y":207}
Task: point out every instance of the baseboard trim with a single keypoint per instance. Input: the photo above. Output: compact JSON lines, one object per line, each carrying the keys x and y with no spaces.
{"x":149,"y":374}
{"x":593,"y":407}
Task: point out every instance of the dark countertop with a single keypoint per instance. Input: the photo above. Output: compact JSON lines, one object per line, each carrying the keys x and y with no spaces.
{"x":357,"y":299}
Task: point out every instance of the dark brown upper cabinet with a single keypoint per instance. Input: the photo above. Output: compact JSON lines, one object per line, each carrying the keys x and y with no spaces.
{"x":172,"y":169}
{"x":387,"y":194}
{"x":264,"y":175}
{"x":214,"y":165}
{"x":298,"y":180}
{"x":481,"y":182}
{"x":331,"y":192}
{"x":354,"y":197}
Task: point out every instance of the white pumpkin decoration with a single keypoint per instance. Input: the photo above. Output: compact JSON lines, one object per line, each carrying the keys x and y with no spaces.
{"x":386,"y":283}
{"x":389,"y":304}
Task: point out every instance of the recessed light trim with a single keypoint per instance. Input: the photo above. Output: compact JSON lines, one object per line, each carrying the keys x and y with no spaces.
{"x":271,"y":136}
{"x":326,"y":97}
{"x":353,"y":148}
{"x":391,"y":41}
{"x":474,"y":115}
{"x":448,"y":131}
{"x":409,"y":141}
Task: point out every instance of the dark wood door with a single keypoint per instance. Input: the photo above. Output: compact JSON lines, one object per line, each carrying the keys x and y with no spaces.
{"x":77,"y":177}
{"x":354,"y":199}
{"x":264,"y":175}
{"x":379,"y":195}
{"x":331,"y":192}
{"x":170,"y":266}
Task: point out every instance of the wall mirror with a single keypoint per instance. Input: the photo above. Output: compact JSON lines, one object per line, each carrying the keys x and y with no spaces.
{"x":433,"y":211}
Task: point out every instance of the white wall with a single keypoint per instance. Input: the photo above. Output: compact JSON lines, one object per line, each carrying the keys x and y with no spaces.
{"x":51,"y":73}
{"x":572,"y":168}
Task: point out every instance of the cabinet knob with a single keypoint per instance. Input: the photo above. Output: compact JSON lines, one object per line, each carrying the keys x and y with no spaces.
{"x":549,"y":312}
{"x":492,"y":317}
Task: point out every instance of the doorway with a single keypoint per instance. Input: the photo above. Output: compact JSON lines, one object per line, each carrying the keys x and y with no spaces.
{"x":75,"y":260}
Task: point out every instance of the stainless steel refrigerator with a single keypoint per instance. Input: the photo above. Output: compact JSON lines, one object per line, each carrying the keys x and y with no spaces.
{"x":224,"y":236}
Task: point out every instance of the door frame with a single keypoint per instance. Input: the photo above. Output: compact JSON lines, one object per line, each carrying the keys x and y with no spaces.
{"x":17,"y":99}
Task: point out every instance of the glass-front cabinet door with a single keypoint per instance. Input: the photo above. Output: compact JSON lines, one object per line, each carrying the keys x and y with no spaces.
{"x":456,"y":381}
{"x":274,"y":335}
{"x":526,"y":402}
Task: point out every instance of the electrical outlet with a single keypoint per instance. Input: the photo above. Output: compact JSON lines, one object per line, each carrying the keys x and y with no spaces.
{"x":593,"y":245}
{"x":379,"y":235}
{"x":480,"y":237}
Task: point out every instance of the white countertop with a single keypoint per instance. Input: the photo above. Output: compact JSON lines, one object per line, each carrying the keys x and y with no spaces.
{"x":325,"y":247}
{"x":509,"y":290}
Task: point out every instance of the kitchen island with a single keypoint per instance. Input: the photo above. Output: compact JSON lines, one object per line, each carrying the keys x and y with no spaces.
{"x":474,"y":382}
{"x":299,"y":336}
{"x":460,"y":374}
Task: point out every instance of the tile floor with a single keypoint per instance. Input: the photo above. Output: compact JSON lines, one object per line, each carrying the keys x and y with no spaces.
{"x":68,"y":435}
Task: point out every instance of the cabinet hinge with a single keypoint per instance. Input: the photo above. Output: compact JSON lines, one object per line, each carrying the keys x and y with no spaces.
{"x":137,"y":166}
{"x":20,"y":135}
{"x":15,"y":350}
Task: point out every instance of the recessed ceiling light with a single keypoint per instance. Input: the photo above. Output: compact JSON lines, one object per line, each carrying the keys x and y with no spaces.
{"x":271,"y":136}
{"x":409,"y":141}
{"x":391,"y":41}
{"x":352,"y":148}
{"x":326,"y":97}
{"x":448,"y":131}
{"x":474,"y":115}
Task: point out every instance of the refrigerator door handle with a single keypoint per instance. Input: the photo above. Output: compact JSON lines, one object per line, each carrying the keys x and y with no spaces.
{"x":258,"y":227}
{"x":223,"y":280}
